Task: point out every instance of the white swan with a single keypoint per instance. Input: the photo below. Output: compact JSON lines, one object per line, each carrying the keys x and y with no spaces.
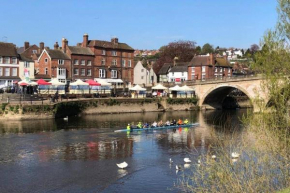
{"x":170,"y":161}
{"x":122,"y":165}
{"x":235,"y":155}
{"x":187,"y":160}
{"x":186,"y":166}
{"x":65,"y":118}
{"x":213,"y":156}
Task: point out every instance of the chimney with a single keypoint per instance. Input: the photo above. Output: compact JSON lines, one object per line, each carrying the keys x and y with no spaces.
{"x":85,"y":40}
{"x":211,"y":59}
{"x":174,"y":60}
{"x":41,"y":46}
{"x":64,"y":44}
{"x":115,"y":40}
{"x":26,"y":45}
{"x":56,"y":46}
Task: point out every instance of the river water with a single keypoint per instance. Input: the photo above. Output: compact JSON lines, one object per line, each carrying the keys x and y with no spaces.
{"x":80,"y":155}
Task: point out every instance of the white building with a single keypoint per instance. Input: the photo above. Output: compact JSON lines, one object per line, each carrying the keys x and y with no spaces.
{"x":178,"y":73}
{"x":144,"y":75}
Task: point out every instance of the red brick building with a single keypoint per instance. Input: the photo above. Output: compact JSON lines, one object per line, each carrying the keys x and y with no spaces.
{"x":82,"y":60}
{"x":53,"y":64}
{"x":208,"y":67}
{"x":113,"y":60}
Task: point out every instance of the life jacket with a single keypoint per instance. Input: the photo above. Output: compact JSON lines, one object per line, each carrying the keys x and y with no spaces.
{"x":128,"y":127}
{"x":139,"y":125}
{"x":185,"y":121}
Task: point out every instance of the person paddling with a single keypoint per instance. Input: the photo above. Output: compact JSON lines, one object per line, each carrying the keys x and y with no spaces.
{"x":185,"y":121}
{"x":179,"y":122}
{"x":139,"y":125}
{"x":128,"y":127}
{"x":154,"y":124}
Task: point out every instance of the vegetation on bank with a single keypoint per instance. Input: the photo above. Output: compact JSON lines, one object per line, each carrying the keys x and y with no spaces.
{"x":264,"y":164}
{"x":192,"y":100}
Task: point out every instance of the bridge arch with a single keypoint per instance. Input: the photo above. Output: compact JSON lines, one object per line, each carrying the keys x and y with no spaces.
{"x":213,"y":98}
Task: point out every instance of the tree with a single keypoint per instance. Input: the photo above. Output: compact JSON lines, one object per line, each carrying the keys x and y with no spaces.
{"x":207,"y":48}
{"x":198,"y":50}
{"x":254,"y":48}
{"x":183,"y":50}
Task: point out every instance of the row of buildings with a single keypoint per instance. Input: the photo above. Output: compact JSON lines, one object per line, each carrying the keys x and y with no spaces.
{"x":90,"y":59}
{"x":96,"y":59}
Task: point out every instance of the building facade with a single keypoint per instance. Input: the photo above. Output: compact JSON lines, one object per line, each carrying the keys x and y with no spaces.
{"x":144,"y":76}
{"x":113,"y":60}
{"x":9,"y":64}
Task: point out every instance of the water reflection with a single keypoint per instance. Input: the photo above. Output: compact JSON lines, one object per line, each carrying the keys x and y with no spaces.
{"x":91,"y":139}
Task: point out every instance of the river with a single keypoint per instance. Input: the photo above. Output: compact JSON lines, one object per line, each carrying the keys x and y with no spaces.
{"x":80,"y":155}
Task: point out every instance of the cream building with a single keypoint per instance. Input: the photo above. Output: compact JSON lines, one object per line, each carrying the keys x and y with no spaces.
{"x":144,"y":75}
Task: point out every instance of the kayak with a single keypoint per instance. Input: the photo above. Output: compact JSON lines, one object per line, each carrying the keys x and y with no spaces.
{"x":156,"y":128}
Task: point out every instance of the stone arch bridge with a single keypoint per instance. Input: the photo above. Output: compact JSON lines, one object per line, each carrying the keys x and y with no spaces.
{"x":211,"y":94}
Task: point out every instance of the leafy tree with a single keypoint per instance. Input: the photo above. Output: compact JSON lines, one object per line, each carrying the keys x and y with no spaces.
{"x":207,"y":48}
{"x":184,"y":50}
{"x":198,"y":50}
{"x":254,"y":48}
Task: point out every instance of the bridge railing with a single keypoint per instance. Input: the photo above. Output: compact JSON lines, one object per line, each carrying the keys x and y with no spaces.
{"x":214,"y":80}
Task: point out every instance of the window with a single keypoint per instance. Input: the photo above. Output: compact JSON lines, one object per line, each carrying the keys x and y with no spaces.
{"x":142,"y":70}
{"x":221,"y":69}
{"x":215,"y":69}
{"x":89,"y":72}
{"x":129,"y":63}
{"x":102,"y":73}
{"x":26,"y":73}
{"x":7,"y":71}
{"x":203,"y":69}
{"x":60,"y":62}
{"x":114,"y":62}
{"x":26,"y":64}
{"x":61,"y":71}
{"x":89,"y":63}
{"x":114,"y":74}
{"x":1,"y":59}
{"x":229,"y":70}
{"x":103,"y":52}
{"x":192,"y":69}
{"x":76,"y":71}
{"x":76,"y":62}
{"x":103,"y":61}
{"x":182,"y":73}
{"x":14,"y":71}
{"x":1,"y":71}
{"x":142,"y":77}
{"x":172,"y":73}
{"x":14,"y":60}
{"x":123,"y":63}
{"x":45,"y":60}
{"x":46,"y":71}
{"x":83,"y":72}
{"x":7,"y":60}
{"x":83,"y":62}
{"x":34,"y":51}
{"x":114,"y":53}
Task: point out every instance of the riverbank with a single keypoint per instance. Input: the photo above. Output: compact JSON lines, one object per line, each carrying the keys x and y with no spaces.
{"x":93,"y":106}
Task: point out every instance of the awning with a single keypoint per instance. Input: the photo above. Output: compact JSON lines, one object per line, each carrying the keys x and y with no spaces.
{"x":109,"y":80}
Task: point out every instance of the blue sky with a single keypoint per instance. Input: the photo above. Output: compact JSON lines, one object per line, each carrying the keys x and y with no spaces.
{"x":147,"y":24}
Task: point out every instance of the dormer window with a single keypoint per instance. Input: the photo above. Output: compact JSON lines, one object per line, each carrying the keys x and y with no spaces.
{"x":34,"y":51}
{"x":60,"y":62}
{"x":114,"y":53}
